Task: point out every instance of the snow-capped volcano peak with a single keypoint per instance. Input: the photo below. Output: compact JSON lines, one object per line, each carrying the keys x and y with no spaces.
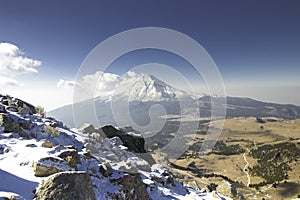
{"x":143,"y":87}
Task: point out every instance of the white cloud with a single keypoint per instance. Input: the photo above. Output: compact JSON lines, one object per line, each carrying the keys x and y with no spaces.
{"x":65,"y":84}
{"x":103,"y":81}
{"x":13,"y":63}
{"x":7,"y":81}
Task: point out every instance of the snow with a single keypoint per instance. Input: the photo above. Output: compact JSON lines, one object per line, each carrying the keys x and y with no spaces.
{"x":18,"y":159}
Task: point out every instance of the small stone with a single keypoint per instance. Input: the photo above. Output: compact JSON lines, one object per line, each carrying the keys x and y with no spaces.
{"x":30,"y":145}
{"x":47,"y":144}
{"x":6,"y":150}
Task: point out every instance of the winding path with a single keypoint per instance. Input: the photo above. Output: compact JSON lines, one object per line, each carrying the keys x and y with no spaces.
{"x":245,"y":168}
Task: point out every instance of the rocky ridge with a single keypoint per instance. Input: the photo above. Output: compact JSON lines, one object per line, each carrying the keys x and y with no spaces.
{"x":41,"y":158}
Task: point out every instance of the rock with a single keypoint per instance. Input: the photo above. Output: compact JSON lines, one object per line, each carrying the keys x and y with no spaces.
{"x":71,"y":157}
{"x":67,"y":186}
{"x":134,"y":142}
{"x":47,"y":144}
{"x":9,"y":125}
{"x":30,"y":145}
{"x":2,"y":109}
{"x":161,"y":175}
{"x":98,"y":137}
{"x":90,"y":147}
{"x":12,"y":108}
{"x":5,"y":150}
{"x":132,"y":188}
{"x":105,"y":169}
{"x":27,"y":125}
{"x":227,"y":189}
{"x":50,"y":165}
{"x":87,"y":128}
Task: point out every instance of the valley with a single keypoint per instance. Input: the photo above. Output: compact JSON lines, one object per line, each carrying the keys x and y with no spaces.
{"x":258,"y":156}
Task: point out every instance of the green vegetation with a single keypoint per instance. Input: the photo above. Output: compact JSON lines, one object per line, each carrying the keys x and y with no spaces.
{"x":222,"y":149}
{"x":273,"y":161}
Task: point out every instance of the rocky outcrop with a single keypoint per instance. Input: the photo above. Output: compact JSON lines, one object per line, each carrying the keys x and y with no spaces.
{"x":134,"y":142}
{"x":87,"y":128}
{"x":71,"y":157}
{"x":227,"y":189}
{"x":10,"y":125}
{"x":67,"y":186}
{"x":50,"y":165}
{"x":132,"y":187}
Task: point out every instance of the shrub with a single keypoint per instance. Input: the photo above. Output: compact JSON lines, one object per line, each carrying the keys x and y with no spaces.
{"x":51,"y":130}
{"x":40,"y":110}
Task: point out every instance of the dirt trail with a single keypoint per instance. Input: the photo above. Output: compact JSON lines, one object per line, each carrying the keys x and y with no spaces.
{"x":245,"y":168}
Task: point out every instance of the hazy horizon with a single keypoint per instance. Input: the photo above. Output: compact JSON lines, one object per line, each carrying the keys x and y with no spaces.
{"x":255,"y":45}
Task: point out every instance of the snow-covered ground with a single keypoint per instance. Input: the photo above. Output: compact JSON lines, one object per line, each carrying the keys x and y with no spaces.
{"x":20,"y":155}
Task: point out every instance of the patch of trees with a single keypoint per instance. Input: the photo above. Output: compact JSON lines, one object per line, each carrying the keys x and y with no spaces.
{"x":222,"y":149}
{"x":273,"y":161}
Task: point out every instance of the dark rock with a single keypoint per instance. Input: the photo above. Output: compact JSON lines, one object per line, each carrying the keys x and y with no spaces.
{"x":2,"y":109}
{"x":67,"y":186}
{"x":134,"y":143}
{"x":30,"y":145}
{"x":9,"y":125}
{"x":260,"y":120}
{"x":71,"y":157}
{"x":133,"y":187}
{"x":87,"y":128}
{"x":105,"y":169}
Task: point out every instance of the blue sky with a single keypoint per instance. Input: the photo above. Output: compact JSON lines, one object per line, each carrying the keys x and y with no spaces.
{"x":254,"y":43}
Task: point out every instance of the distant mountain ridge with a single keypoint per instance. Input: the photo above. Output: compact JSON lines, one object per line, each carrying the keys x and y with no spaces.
{"x":140,"y":92}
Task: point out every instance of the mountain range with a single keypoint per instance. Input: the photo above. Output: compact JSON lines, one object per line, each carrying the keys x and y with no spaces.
{"x":143,"y":99}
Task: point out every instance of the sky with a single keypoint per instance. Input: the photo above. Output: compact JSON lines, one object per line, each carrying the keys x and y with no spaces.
{"x":254,"y":44}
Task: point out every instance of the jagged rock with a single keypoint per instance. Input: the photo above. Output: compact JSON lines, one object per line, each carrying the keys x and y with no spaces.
{"x":133,"y":142}
{"x":71,"y":157}
{"x":27,"y":125}
{"x":98,"y":137}
{"x":50,"y":165}
{"x":227,"y":189}
{"x":161,"y":175}
{"x":67,"y":186}
{"x":2,"y":109}
{"x":105,"y":169}
{"x":90,"y":147}
{"x":87,"y":128}
{"x":132,"y":188}
{"x":10,"y":125}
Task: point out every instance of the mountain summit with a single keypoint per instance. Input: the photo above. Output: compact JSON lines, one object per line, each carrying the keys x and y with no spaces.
{"x":143,"y":87}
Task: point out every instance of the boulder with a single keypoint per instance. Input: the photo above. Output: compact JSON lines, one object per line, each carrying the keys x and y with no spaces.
{"x":10,"y":125}
{"x":87,"y":128}
{"x":71,"y":157}
{"x":2,"y":109}
{"x":67,"y":186}
{"x":47,"y":144}
{"x":227,"y":189}
{"x":50,"y":165}
{"x":134,"y":142}
{"x":132,"y":187}
{"x":105,"y":169}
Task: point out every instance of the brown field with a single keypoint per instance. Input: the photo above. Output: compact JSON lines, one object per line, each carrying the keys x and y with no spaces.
{"x":248,"y":134}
